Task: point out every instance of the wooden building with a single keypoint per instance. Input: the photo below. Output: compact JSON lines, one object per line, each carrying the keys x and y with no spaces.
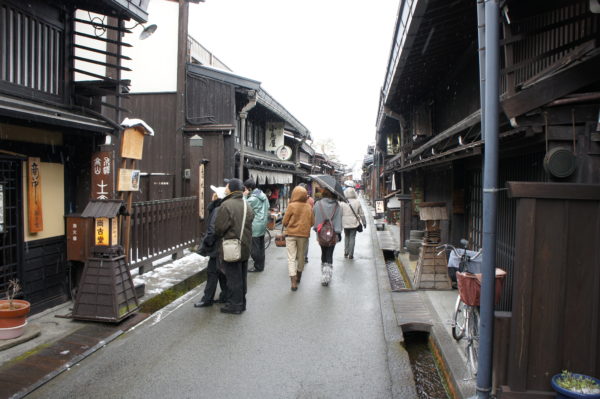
{"x":429,"y":143}
{"x":60,"y":64}
{"x":201,"y":119}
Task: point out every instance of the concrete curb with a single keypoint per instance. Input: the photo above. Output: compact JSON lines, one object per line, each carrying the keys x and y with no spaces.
{"x":401,"y":375}
{"x":447,"y":352}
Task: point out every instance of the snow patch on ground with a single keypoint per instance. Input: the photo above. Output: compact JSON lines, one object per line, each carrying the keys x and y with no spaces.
{"x":170,"y":272}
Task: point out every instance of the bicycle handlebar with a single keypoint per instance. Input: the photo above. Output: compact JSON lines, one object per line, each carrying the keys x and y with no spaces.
{"x":464,"y":258}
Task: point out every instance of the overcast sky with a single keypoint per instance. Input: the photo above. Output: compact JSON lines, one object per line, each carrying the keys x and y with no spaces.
{"x":323,"y":60}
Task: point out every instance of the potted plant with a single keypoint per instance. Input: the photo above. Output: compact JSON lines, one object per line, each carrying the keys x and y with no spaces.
{"x":13,"y":312}
{"x":573,"y":385}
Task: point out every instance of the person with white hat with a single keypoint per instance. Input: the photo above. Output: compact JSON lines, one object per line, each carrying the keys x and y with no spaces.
{"x":210,"y":247}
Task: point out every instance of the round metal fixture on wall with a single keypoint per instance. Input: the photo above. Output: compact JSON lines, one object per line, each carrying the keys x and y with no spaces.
{"x":560,"y":162}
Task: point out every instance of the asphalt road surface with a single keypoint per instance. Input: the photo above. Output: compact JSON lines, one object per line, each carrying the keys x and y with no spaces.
{"x":317,"y":342}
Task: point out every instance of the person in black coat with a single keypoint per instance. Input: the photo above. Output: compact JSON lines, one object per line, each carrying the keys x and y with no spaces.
{"x":209,"y":247}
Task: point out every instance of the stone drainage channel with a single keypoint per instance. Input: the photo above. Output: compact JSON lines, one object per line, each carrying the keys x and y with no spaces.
{"x":428,"y":379}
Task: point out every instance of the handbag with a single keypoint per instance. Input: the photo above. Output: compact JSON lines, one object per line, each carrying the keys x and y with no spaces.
{"x":232,"y":247}
{"x":360,"y":226}
{"x":280,"y":239}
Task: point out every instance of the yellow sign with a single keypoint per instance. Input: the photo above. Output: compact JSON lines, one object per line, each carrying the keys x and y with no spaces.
{"x":102,"y":229}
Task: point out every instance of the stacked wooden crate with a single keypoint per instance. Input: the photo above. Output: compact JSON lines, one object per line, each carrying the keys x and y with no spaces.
{"x":432,"y":268}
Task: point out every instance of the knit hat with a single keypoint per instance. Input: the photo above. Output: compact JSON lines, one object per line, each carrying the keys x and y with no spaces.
{"x":235,"y":185}
{"x":250,"y":184}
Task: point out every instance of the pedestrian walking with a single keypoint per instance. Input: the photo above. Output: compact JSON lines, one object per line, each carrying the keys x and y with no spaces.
{"x":352,"y":217}
{"x":210,"y":247}
{"x":328,"y":225}
{"x":234,"y":226}
{"x":311,"y":202}
{"x":260,"y":205}
{"x":298,"y":220}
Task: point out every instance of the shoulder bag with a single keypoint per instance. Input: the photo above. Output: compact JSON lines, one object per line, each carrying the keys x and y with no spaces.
{"x":232,"y":247}
{"x":359,"y":228}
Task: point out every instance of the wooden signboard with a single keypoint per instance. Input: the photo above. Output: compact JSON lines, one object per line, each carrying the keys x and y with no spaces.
{"x":132,"y":144}
{"x":114,"y":233}
{"x":201,"y":191}
{"x":34,"y":195}
{"x":129,"y":180}
{"x":102,"y":176}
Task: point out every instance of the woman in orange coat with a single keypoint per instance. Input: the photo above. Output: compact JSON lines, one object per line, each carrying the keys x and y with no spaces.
{"x":298,"y":221}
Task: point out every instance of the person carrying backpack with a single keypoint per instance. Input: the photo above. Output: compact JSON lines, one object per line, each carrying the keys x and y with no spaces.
{"x":328,"y":225}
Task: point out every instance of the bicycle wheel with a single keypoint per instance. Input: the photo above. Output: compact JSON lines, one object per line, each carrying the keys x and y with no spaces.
{"x":267,"y":238}
{"x":459,"y":320}
{"x":473,"y":340}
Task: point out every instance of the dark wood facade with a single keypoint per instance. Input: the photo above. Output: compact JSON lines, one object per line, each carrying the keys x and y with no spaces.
{"x":46,"y":113}
{"x":429,"y":139}
{"x":555,"y":321}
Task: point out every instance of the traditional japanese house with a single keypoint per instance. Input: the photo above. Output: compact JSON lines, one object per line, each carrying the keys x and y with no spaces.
{"x":429,"y":142}
{"x":214,"y":124}
{"x":60,"y":64}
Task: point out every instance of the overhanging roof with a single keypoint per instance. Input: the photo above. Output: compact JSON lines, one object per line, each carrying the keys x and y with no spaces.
{"x":431,"y":38}
{"x":223,"y":76}
{"x":134,"y":9}
{"x":51,"y":115}
{"x":269,"y":102}
{"x":264,"y":98}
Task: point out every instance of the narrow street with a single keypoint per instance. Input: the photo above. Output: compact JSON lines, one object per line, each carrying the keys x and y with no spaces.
{"x":318,"y":342}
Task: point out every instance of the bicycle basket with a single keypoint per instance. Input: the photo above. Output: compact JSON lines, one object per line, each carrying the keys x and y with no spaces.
{"x":469,"y":287}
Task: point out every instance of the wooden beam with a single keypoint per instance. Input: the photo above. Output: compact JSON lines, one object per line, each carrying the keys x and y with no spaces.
{"x":572,"y":191}
{"x":557,"y":86}
{"x":469,"y":121}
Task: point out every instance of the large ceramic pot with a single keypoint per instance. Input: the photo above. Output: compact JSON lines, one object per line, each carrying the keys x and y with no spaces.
{"x":564,"y":393}
{"x":10,"y":318}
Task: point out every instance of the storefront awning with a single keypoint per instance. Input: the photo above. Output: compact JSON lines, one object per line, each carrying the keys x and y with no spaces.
{"x":268,"y":177}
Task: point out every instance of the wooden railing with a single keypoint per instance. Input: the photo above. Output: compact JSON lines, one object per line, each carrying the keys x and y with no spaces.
{"x":161,"y":228}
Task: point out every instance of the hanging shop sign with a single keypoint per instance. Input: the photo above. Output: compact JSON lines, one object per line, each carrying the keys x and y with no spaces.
{"x":274,"y":136}
{"x":284,"y":153}
{"x":102,"y":176}
{"x":34,"y":195}
{"x":129,"y":180}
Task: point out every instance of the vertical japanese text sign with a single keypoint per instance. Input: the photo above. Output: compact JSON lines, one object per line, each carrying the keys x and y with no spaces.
{"x":102,"y":176}
{"x":102,"y":231}
{"x":34,"y":194}
{"x":201,"y":191}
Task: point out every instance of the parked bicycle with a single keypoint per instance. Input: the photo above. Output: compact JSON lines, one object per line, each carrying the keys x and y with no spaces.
{"x":267,"y":238}
{"x":465,"y":321}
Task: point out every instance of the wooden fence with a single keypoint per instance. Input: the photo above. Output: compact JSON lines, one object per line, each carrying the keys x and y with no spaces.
{"x":161,"y":228}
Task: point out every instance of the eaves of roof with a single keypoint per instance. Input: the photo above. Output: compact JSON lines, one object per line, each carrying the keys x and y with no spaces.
{"x":223,"y":76}
{"x":52,"y":115}
{"x":270,"y":103}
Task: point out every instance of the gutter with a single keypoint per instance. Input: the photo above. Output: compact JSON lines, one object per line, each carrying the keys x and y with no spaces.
{"x":252,"y":99}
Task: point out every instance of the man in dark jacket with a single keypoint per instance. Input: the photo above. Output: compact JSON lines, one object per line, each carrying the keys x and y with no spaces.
{"x":210,"y":247}
{"x":228,"y":226}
